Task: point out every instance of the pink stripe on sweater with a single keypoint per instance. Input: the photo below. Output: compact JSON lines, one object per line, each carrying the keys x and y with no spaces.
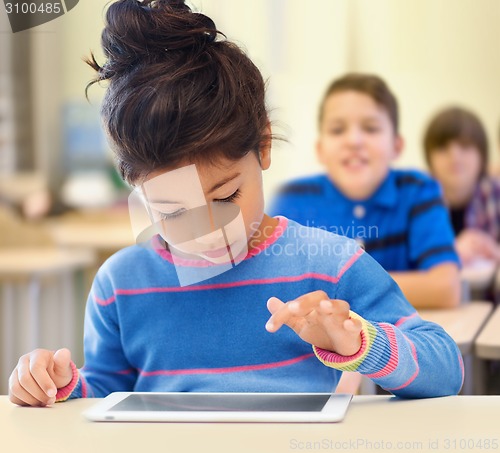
{"x":129,"y":371}
{"x":251,"y":282}
{"x":461,"y":363}
{"x":405,"y":318}
{"x":257,"y":281}
{"x":104,"y":302}
{"x":413,"y":348}
{"x":392,"y":364}
{"x":84,"y":387}
{"x":64,"y":392}
{"x":334,"y":358}
{"x":236,"y":369}
{"x":413,"y":377}
{"x":276,"y":234}
{"x":349,"y":263}
{"x":408,"y":382}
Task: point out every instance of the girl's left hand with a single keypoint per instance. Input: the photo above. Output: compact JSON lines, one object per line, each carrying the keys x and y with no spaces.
{"x":319,"y":321}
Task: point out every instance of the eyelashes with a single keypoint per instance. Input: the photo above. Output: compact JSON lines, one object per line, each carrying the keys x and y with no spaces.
{"x":232,"y":197}
{"x":173,"y":215}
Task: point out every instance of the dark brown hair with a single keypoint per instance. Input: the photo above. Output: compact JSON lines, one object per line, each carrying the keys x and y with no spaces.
{"x":178,"y":90}
{"x":368,"y":84}
{"x":456,"y":123}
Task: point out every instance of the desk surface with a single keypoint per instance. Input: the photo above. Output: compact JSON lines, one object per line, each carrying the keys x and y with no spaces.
{"x":488,"y":341}
{"x":22,"y":262}
{"x":462,"y":323}
{"x":102,"y":232}
{"x":479,"y":275}
{"x":373,"y":423}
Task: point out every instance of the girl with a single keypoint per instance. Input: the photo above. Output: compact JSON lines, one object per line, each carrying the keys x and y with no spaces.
{"x":456,"y":151}
{"x":185,"y":113}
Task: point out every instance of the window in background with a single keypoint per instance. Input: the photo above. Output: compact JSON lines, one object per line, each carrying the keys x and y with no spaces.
{"x":16,"y":122}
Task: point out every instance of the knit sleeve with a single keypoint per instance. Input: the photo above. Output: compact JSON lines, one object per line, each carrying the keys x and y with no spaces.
{"x":106,"y":367}
{"x":400,"y":351}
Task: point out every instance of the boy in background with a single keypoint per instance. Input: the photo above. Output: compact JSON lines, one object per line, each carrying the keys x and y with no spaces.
{"x":397,"y":215}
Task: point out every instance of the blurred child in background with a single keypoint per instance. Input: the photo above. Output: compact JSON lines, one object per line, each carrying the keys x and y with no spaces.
{"x":398,"y":215}
{"x":456,"y":151}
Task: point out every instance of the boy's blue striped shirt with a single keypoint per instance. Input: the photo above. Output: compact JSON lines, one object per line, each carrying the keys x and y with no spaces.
{"x":404,"y":225}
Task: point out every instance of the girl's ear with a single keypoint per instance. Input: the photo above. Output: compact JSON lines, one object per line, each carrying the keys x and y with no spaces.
{"x":265,"y":150}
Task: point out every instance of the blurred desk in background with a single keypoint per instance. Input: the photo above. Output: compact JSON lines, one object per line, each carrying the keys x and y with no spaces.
{"x":463,"y":324}
{"x":104,"y":232}
{"x":479,"y":278}
{"x":15,"y":188}
{"x":40,"y":301}
{"x":488,"y":341}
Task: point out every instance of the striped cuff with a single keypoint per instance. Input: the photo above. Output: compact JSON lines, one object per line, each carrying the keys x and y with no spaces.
{"x":349,"y":363}
{"x":64,"y":392}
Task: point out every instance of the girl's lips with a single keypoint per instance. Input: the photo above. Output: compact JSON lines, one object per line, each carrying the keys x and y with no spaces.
{"x":217,"y":253}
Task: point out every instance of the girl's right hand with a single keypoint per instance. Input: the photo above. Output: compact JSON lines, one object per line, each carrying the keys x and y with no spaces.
{"x":38,"y":375}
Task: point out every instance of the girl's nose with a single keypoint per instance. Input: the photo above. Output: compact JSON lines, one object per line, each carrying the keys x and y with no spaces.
{"x":214,"y":237}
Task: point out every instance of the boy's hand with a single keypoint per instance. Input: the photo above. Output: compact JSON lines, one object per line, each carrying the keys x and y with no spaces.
{"x":318,"y":320}
{"x":38,"y":375}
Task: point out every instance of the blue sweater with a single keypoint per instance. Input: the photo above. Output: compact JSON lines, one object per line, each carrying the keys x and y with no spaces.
{"x":144,"y":332}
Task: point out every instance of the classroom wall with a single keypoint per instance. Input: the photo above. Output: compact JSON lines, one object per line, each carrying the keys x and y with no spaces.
{"x":432,"y":53}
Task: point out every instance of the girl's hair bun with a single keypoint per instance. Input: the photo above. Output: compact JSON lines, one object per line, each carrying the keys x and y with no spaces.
{"x":177,"y":94}
{"x":150,"y":30}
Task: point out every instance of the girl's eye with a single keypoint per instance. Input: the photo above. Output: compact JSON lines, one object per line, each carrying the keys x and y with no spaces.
{"x":230,"y":198}
{"x":170,"y":215}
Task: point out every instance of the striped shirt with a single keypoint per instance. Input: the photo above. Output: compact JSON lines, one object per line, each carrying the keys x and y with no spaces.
{"x":483,"y":211}
{"x":404,"y":225}
{"x":145,"y":332}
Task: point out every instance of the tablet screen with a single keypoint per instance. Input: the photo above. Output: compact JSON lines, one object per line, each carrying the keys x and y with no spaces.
{"x":231,"y":403}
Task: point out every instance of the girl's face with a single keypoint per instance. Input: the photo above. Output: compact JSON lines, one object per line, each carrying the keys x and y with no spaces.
{"x":456,"y":166}
{"x":209,"y":211}
{"x":356,"y":143}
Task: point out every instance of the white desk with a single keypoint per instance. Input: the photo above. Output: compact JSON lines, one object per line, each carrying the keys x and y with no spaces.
{"x":372,"y":423}
{"x":463,"y":324}
{"x":488,"y":341}
{"x":23,"y":271}
{"x":105,"y":233}
{"x":478,"y":278}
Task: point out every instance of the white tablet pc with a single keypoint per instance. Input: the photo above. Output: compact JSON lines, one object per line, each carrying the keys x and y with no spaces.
{"x":220,"y":407}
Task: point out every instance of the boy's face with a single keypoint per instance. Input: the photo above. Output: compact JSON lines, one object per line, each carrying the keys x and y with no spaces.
{"x":456,"y":166}
{"x":189,"y":202}
{"x":356,"y":143}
